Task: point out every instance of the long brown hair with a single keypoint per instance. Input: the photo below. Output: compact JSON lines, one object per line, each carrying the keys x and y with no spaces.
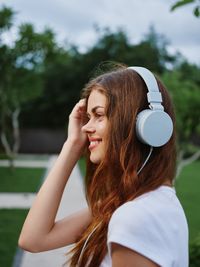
{"x":115,"y":180}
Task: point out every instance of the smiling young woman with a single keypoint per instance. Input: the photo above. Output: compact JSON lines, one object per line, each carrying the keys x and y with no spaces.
{"x":126,"y":123}
{"x":96,"y":126}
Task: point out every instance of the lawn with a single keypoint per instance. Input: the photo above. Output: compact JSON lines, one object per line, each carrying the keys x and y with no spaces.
{"x":28,"y":180}
{"x":188,"y":191}
{"x":20,"y":179}
{"x":10,"y":226}
{"x":11,"y":220}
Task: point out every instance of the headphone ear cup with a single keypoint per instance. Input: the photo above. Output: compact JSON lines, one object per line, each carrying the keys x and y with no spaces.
{"x":154,"y":127}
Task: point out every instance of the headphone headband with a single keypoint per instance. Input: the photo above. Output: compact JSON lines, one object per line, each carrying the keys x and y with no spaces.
{"x":154,"y":96}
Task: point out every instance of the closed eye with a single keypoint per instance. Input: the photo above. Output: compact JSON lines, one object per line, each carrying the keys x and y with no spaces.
{"x":96,"y":115}
{"x":99,"y":115}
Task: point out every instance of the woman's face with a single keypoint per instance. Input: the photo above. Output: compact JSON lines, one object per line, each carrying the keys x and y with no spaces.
{"x":96,"y":126}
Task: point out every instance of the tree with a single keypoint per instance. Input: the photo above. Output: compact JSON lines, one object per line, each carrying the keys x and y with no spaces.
{"x":159,"y":46}
{"x":196,"y":9}
{"x":20,"y":76}
{"x":116,"y":46}
{"x":183,"y":84}
{"x":62,"y":84}
{"x":66,"y":71}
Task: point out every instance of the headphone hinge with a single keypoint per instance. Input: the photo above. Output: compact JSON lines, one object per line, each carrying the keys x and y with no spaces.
{"x":156,"y":106}
{"x":154,"y":96}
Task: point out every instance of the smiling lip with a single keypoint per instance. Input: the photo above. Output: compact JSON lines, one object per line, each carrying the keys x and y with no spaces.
{"x":94,"y":143}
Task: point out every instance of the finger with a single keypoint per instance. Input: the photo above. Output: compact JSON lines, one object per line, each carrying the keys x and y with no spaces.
{"x":80,"y":108}
{"x":82,"y":102}
{"x":82,"y":105}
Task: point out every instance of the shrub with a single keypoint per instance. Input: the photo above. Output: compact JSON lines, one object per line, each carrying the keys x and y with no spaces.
{"x":195,"y":252}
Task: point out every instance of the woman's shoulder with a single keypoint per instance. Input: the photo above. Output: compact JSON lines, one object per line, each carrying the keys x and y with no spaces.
{"x":152,"y":225}
{"x":154,"y":206}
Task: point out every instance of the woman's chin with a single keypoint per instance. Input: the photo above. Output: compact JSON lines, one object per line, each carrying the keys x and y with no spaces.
{"x":95,"y":160}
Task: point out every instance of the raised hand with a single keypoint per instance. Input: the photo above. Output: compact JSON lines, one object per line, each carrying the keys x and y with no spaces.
{"x":77,"y":119}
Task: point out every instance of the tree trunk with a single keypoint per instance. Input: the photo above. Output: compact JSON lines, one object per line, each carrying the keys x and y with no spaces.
{"x":185,"y":162}
{"x":16,"y":132}
{"x":7,"y":148}
{"x":12,"y":150}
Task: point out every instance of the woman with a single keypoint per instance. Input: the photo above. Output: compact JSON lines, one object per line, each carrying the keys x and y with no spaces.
{"x":125,"y":120}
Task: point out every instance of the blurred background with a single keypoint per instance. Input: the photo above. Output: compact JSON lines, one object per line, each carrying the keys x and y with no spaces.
{"x":48,"y":52}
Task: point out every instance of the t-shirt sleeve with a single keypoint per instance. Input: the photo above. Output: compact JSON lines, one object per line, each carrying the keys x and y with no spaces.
{"x":141,"y":229}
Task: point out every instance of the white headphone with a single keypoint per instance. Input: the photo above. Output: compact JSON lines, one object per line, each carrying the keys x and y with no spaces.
{"x":154,"y":126}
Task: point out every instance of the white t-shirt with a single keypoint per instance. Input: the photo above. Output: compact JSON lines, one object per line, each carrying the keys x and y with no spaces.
{"x":154,"y":225}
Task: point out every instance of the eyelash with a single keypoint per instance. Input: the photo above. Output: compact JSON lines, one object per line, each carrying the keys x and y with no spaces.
{"x":96,"y":115}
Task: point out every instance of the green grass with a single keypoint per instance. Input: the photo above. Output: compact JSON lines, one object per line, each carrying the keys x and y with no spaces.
{"x":11,"y":222}
{"x":188,"y":191}
{"x":28,"y":180}
{"x":82,"y":165}
{"x":20,"y":179}
{"x":3,"y":156}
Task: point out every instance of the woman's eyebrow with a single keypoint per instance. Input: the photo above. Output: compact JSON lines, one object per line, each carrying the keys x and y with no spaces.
{"x":93,"y":110}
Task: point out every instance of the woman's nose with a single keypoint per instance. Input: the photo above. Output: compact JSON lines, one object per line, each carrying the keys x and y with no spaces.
{"x":88,"y":128}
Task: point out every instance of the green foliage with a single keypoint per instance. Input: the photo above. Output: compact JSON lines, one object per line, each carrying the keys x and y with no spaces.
{"x":31,"y":47}
{"x":181,"y":3}
{"x":159,"y":44}
{"x":196,"y":10}
{"x":36,"y":72}
{"x":6,"y":17}
{"x":195,"y":252}
{"x":39,"y":73}
{"x":183,"y":84}
{"x":21,"y":74}
{"x":66,"y":71}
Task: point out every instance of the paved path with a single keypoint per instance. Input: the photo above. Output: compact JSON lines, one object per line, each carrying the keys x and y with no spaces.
{"x":73,"y":199}
{"x":26,"y":163}
{"x":16,"y":200}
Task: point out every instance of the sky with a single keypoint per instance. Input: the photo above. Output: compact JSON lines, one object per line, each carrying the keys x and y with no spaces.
{"x":74,"y":21}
